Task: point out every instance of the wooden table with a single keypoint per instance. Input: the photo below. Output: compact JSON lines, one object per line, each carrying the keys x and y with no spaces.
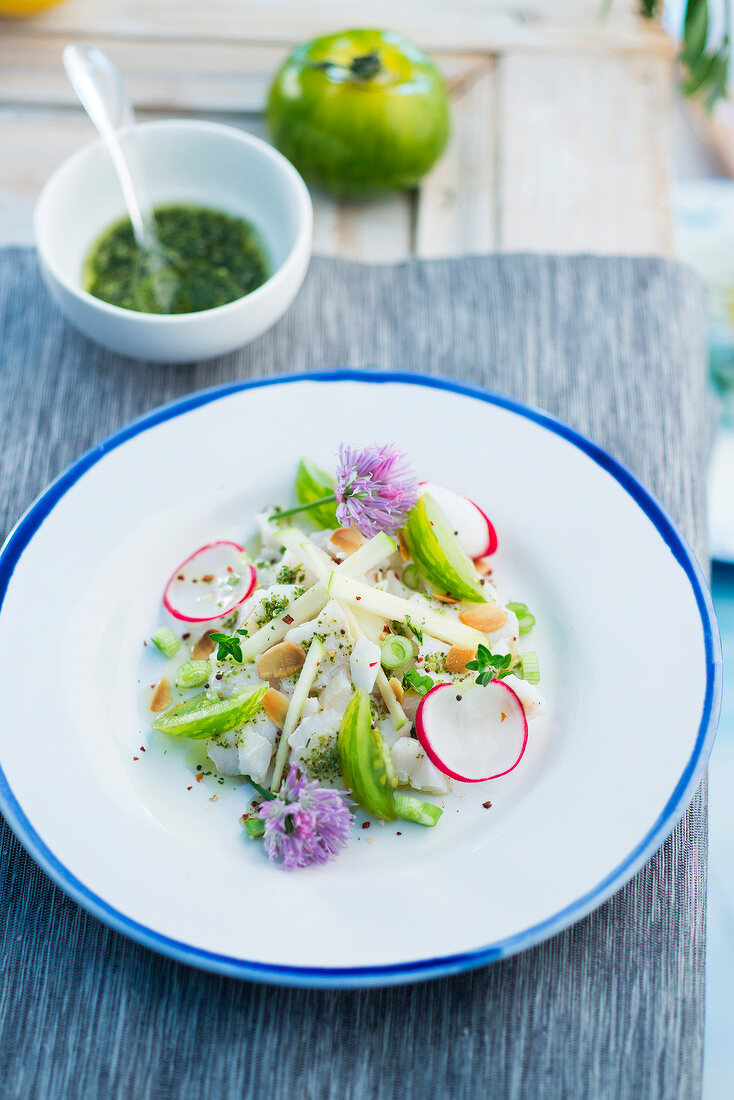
{"x":562,"y":118}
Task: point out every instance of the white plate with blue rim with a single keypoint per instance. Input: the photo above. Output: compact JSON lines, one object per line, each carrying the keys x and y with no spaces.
{"x":631,"y":669}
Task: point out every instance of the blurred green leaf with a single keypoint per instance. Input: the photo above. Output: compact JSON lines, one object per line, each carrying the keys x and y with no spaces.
{"x":706,"y":72}
{"x":695,"y":32}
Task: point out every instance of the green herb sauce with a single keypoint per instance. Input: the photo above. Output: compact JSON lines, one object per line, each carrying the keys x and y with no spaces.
{"x":219,"y":259}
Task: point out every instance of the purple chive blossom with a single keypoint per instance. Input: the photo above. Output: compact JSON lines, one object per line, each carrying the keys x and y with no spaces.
{"x":305,"y":823}
{"x":375,"y":488}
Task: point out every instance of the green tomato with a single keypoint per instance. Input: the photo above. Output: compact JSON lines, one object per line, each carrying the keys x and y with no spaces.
{"x":438,"y":554}
{"x":365,"y":761}
{"x":361,"y":113}
{"x":207,"y":716}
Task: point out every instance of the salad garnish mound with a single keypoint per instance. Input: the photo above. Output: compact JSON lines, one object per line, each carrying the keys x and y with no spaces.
{"x":358,"y":649}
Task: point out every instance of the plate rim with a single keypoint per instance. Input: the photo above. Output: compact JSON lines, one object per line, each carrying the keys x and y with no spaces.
{"x":358,"y":977}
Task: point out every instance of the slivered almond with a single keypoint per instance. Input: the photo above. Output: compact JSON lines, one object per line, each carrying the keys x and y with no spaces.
{"x":204,"y":646}
{"x":281,"y":660}
{"x":442,"y":597}
{"x":161,"y":695}
{"x":457,"y":657}
{"x":346,"y":539}
{"x":403,"y":546}
{"x":487,"y":618}
{"x":397,"y":688}
{"x":275,"y":705}
{"x":483,"y":567}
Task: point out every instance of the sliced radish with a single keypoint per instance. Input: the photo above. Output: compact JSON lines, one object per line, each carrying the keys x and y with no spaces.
{"x":472,"y":526}
{"x":475,"y":734}
{"x":209,"y":584}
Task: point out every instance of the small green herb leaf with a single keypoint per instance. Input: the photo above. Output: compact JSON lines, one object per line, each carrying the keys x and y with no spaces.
{"x":417,"y":634}
{"x":228,"y":646}
{"x":413,"y":681}
{"x":489,"y":667}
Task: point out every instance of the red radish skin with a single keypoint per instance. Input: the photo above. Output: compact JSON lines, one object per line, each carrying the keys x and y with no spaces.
{"x":243,"y":570}
{"x":423,"y":724}
{"x":491,"y":533}
{"x":475,"y":549}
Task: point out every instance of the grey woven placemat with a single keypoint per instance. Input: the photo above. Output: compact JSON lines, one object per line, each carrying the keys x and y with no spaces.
{"x":611,"y":1008}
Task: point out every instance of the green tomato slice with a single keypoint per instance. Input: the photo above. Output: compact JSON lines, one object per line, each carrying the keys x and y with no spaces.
{"x":438,"y":554}
{"x":208,"y":716}
{"x":365,"y":761}
{"x":313,"y":484}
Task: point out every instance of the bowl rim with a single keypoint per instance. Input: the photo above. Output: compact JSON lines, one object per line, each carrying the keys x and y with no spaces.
{"x":345,"y":977}
{"x":301,"y":244}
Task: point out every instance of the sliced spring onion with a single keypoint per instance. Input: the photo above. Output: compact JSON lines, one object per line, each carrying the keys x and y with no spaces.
{"x":525,"y":618}
{"x":192,"y":673}
{"x":255,"y":827}
{"x":395,"y":652}
{"x":529,"y":667}
{"x":411,"y":577}
{"x":411,"y":809}
{"x":166,"y":641}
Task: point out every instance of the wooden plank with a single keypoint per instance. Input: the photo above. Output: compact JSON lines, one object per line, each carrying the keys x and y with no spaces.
{"x":463,"y":25}
{"x":164,"y":75}
{"x":456,"y":203}
{"x":377,"y":232}
{"x":584,"y":153}
{"x":34,"y":142}
{"x":32,"y":147}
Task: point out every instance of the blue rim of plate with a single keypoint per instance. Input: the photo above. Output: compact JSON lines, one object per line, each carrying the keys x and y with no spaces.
{"x":422,"y":969}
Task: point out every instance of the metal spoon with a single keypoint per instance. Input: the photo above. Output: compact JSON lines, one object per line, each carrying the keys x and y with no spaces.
{"x":99,"y":86}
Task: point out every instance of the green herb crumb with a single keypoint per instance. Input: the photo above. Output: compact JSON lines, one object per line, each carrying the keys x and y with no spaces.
{"x":288,"y":575}
{"x":271,"y":608}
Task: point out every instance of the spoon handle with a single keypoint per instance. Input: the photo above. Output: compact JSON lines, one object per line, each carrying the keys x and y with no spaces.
{"x":101,"y":93}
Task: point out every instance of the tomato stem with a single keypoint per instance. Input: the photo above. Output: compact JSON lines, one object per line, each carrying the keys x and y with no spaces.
{"x":360,"y":69}
{"x":366,"y":66}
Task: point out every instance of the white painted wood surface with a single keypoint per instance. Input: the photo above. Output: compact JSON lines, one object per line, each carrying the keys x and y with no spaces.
{"x":562,"y":120}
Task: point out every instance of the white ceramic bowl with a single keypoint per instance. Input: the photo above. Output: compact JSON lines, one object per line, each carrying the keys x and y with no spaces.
{"x":630,"y":663}
{"x":203,"y":163}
